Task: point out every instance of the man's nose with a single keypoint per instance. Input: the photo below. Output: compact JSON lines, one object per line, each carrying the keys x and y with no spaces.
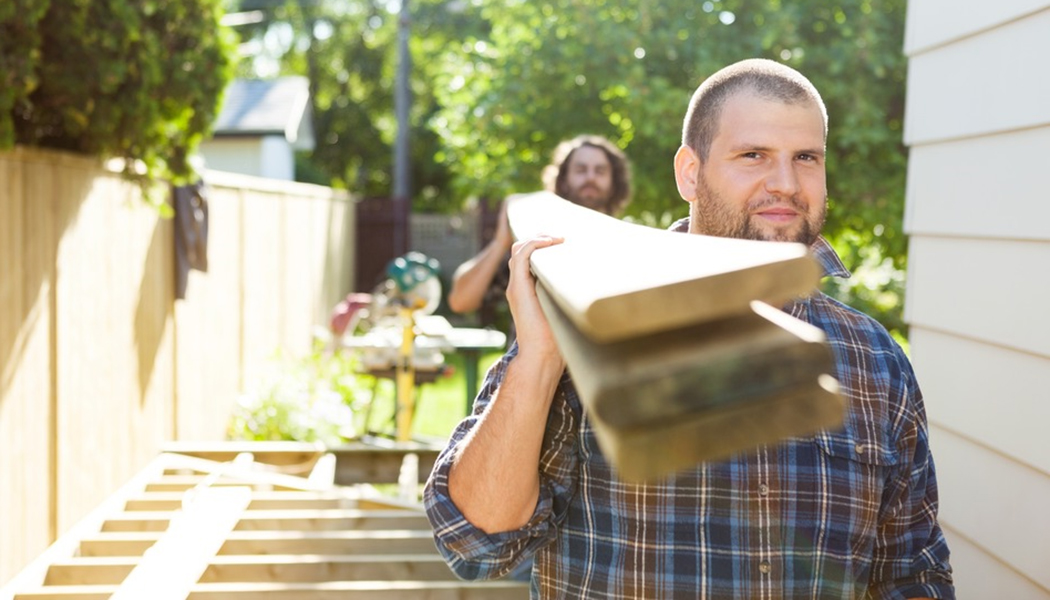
{"x":782,"y":178}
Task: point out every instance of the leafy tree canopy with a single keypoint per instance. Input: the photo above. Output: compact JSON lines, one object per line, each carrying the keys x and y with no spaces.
{"x":496,"y":85}
{"x":135,"y":79}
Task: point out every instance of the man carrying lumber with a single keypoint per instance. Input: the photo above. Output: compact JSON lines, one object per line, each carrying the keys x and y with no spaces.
{"x":588,"y":170}
{"x":845,"y":513}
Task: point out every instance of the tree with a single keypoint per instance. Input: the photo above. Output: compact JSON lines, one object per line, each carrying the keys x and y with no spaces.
{"x":114,"y":78}
{"x":498,"y":84}
{"x":348,"y":51}
{"x":626,"y":69}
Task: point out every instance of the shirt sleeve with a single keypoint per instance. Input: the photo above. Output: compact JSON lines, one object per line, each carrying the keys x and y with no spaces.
{"x":470,"y":552}
{"x":911,"y":554}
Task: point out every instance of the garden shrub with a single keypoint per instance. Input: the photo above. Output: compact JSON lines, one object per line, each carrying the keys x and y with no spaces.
{"x":314,"y":398}
{"x":19,"y":55}
{"x":133,"y":79}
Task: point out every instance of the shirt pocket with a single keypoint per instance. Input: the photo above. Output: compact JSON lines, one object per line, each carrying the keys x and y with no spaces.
{"x":854,"y":471}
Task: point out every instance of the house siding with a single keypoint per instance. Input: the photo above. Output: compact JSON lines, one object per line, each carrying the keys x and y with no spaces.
{"x":977,"y":124}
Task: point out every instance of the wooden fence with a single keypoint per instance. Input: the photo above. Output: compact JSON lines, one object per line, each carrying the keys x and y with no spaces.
{"x":100,"y":364}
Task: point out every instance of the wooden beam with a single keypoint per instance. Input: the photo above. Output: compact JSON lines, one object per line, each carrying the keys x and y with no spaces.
{"x":292,"y":458}
{"x":275,"y":542}
{"x":379,"y":461}
{"x":376,"y":460}
{"x":232,"y":474}
{"x":333,"y":590}
{"x":675,"y":356}
{"x":669,"y":376}
{"x":279,"y":500}
{"x":175,"y":563}
{"x":266,"y":568}
{"x":617,"y":280}
{"x":34,"y":574}
{"x":305,"y":520}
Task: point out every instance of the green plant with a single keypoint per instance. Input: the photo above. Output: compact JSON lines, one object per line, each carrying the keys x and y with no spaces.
{"x":313,"y":398}
{"x":132,"y":79}
{"x":19,"y":56}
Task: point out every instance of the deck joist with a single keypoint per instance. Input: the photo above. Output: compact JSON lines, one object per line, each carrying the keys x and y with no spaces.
{"x":256,"y":521}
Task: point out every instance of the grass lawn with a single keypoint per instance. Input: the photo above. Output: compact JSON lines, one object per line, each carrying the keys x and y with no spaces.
{"x":439,"y":405}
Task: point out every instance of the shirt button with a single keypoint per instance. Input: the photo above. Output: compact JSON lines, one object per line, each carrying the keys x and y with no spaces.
{"x":763,"y":490}
{"x":765,"y":567}
{"x":859,"y":448}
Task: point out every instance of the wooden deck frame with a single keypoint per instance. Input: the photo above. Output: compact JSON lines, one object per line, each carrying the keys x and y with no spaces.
{"x":283,"y":536}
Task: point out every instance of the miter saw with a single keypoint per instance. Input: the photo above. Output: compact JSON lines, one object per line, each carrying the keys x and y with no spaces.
{"x":400,"y":308}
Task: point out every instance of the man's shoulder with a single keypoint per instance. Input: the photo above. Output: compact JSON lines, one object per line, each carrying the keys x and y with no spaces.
{"x":841,"y":321}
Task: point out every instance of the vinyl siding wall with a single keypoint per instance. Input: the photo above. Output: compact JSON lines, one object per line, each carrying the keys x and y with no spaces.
{"x":978,"y":299}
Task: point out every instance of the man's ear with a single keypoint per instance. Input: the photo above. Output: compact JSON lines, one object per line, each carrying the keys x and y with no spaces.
{"x":686,"y":168}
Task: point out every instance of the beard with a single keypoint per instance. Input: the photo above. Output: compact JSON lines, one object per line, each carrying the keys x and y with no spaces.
{"x":595,"y":199}
{"x":710,"y":214}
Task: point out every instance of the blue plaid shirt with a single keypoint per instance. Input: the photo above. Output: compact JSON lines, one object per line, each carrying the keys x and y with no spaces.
{"x":850,"y":513}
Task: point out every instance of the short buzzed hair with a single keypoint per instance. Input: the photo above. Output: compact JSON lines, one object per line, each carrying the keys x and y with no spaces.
{"x":765,"y":78}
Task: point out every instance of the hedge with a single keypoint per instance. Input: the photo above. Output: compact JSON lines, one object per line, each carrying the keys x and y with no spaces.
{"x":133,"y":79}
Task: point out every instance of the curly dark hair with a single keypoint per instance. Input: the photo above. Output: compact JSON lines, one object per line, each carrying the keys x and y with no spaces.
{"x":556,"y":173}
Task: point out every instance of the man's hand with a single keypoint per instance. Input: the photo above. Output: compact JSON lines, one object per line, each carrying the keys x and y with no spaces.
{"x":535,"y":339}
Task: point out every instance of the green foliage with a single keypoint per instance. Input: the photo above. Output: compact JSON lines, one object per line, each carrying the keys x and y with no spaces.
{"x":19,"y":57}
{"x":498,"y":84}
{"x":314,"y":398}
{"x":134,"y":79}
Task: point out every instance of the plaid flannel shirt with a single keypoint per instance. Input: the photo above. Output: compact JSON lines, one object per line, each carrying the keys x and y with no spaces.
{"x":850,"y":513}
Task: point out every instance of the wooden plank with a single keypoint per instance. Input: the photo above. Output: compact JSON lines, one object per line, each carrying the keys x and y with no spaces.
{"x":181,"y":483}
{"x":28,"y":225}
{"x":280,"y":500}
{"x":334,"y":590}
{"x":275,"y":542}
{"x":181,"y":555}
{"x":645,"y":453}
{"x":674,"y":356}
{"x":318,"y":568}
{"x":189,"y":471}
{"x":292,"y":457}
{"x":71,"y":541}
{"x":379,"y":460}
{"x":366,"y":590}
{"x":323,"y":473}
{"x":284,"y":520}
{"x":669,"y":376}
{"x":376,"y":460}
{"x":271,"y":568}
{"x":209,"y":328}
{"x":617,"y":280}
{"x":669,"y":401}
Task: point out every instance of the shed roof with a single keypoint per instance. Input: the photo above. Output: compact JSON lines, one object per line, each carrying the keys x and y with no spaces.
{"x":260,"y":107}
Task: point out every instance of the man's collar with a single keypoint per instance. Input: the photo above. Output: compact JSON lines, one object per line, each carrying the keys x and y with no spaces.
{"x":829,"y":260}
{"x":827,"y":257}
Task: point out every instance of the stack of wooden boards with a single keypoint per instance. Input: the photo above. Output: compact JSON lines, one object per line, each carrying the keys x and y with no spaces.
{"x":189,"y":527}
{"x":672,"y":340}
